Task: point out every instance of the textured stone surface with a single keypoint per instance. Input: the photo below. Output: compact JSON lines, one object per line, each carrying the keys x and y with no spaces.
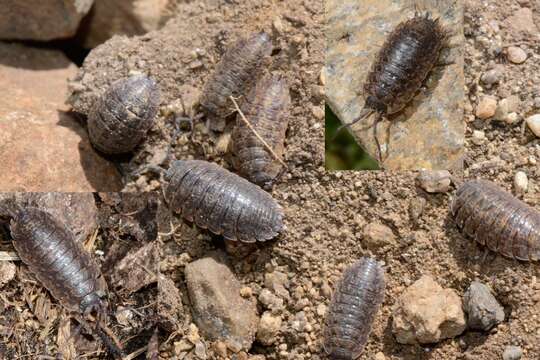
{"x":218,"y":309}
{"x":42,"y":146}
{"x":426,"y":313}
{"x":429,"y":132}
{"x":482,"y":308}
{"x":124,"y":17}
{"x":41,"y":20}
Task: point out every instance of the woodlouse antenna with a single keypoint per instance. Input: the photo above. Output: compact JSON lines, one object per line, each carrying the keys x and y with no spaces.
{"x":366,"y":112}
{"x":268,"y":147}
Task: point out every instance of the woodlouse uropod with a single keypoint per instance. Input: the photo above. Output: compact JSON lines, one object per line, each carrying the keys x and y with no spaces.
{"x":497,"y":219}
{"x":122,"y":116}
{"x":403,"y":63}
{"x":355,"y":303}
{"x":239,"y":65}
{"x":266,"y":108}
{"x":225,"y":203}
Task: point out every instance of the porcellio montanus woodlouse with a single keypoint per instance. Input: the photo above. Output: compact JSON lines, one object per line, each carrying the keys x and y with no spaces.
{"x":266,"y":108}
{"x":355,"y":303}
{"x":498,"y":220}
{"x":225,"y":203}
{"x":237,"y":68}
{"x":406,"y":58}
{"x":121,"y":117}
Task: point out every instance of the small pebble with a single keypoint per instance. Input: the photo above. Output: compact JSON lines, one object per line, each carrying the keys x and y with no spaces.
{"x":516,"y":55}
{"x":484,"y":312}
{"x":434,"y":181}
{"x":512,"y":352}
{"x":491,"y":77}
{"x":380,"y":356}
{"x":478,"y":137}
{"x":521,"y":182}
{"x":534,"y":124}
{"x":486,"y":107}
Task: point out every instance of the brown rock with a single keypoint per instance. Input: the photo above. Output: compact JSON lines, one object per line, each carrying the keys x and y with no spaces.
{"x":429,"y":132}
{"x":268,"y":328}
{"x":516,"y":55}
{"x":486,"y":107}
{"x":426,"y":313}
{"x":378,"y":235}
{"x":124,"y":17}
{"x":41,"y":20}
{"x":218,"y":309}
{"x":434,"y":181}
{"x":169,"y":307}
{"x":7,"y":272}
{"x":42,"y":146}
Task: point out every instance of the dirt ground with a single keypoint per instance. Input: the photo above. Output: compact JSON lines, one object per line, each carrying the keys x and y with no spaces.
{"x":34,"y":325}
{"x":326,"y":212}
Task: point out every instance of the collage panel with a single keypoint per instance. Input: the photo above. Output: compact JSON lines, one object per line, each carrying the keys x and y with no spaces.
{"x":78,"y":275}
{"x":394,"y":81}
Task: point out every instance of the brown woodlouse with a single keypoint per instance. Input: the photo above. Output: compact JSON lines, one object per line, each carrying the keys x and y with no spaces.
{"x":356,"y":300}
{"x":238,"y":66}
{"x":223,"y":202}
{"x":497,"y":219}
{"x":122,"y":116}
{"x":266,"y":108}
{"x":407,"y":57}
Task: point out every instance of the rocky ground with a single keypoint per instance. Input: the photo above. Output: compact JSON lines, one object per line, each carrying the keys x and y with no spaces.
{"x":120,"y":231}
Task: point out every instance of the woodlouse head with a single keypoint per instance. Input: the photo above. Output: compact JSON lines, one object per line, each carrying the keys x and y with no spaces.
{"x":94,"y":303}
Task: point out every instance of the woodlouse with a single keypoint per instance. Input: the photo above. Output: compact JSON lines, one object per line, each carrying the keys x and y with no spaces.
{"x":238,"y":66}
{"x":497,"y":219}
{"x":122,"y":116}
{"x":407,"y":57}
{"x":356,"y":300}
{"x":266,"y":108}
{"x":222,"y":202}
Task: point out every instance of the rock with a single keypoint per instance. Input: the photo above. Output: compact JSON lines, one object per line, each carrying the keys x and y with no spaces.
{"x":7,"y":272}
{"x":501,"y":113}
{"x":426,"y":313}
{"x":512,"y":352}
{"x":428,"y":133}
{"x":77,"y":211}
{"x":478,"y":137}
{"x":218,"y":309}
{"x":33,"y":118}
{"x":132,"y":272}
{"x":269,"y":326}
{"x":434,"y":181}
{"x":169,"y":307}
{"x":534,"y":124}
{"x":516,"y":55}
{"x":492,"y":76}
{"x":486,"y":107}
{"x":483,"y":310}
{"x":521,"y":182}
{"x":376,"y":235}
{"x":124,"y":17}
{"x":41,"y":20}
{"x":277,"y":282}
{"x":380,"y":356}
{"x":522,"y":21}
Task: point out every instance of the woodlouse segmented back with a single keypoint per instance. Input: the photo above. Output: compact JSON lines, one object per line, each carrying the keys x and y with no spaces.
{"x":59,"y":262}
{"x":498,"y":220}
{"x":238,"y":66}
{"x":222,"y":202}
{"x":356,"y":300}
{"x":266,"y":108}
{"x":122,"y":116}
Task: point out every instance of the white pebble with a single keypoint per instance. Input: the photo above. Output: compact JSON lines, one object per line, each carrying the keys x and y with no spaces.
{"x":516,"y":55}
{"x":478,"y":137}
{"x":521,"y":182}
{"x":534,"y":124}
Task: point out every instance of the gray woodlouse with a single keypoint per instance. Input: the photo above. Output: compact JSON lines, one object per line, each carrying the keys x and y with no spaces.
{"x":266,"y":108}
{"x":222,"y":202}
{"x":497,"y":219}
{"x":355,"y":303}
{"x":238,"y":66}
{"x":407,"y":57}
{"x":122,"y":116}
